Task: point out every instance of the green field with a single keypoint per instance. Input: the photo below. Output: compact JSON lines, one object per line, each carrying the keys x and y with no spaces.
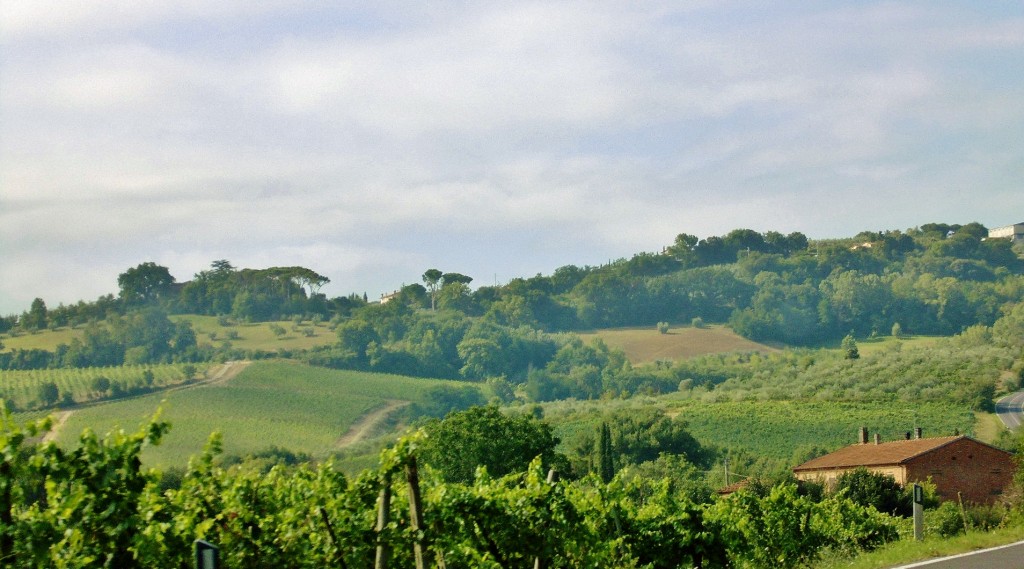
{"x":283,"y":404}
{"x":643,"y":345}
{"x":259,"y":336}
{"x":882,"y":343}
{"x":41,"y":340}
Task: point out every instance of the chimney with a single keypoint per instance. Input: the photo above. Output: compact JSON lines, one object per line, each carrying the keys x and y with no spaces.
{"x":878,"y":439}
{"x":863,"y":436}
{"x":917,"y":432}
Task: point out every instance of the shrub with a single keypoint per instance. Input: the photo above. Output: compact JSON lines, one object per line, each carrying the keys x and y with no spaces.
{"x":48,"y":393}
{"x":897,"y":330}
{"x":100,"y":384}
{"x":874,"y":489}
{"x":947,"y":520}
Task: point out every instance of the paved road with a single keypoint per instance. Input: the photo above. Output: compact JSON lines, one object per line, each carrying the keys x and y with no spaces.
{"x":1011,"y":409}
{"x":1003,"y":557}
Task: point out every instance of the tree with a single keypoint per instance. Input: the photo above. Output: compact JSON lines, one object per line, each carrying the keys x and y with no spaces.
{"x":356,"y":335}
{"x":849,"y":347}
{"x":450,"y":278}
{"x":144,"y":283}
{"x":100,"y":384}
{"x":48,"y":393}
{"x":35,"y":318}
{"x":683,"y":249}
{"x":484,"y":436}
{"x":454,"y":296}
{"x":897,"y":330}
{"x":432,"y":278}
{"x":441,"y":400}
{"x":483,"y":358}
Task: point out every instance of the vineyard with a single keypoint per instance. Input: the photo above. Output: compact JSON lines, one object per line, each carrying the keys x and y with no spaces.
{"x":283,"y":404}
{"x":396,"y":514}
{"x":23,"y":389}
{"x":778,"y":430}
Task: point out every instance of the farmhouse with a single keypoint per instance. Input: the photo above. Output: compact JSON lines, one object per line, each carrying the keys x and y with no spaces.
{"x":1013,"y":232}
{"x":957,"y":464}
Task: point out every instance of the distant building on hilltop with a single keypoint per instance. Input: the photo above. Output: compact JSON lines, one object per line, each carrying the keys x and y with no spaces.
{"x":1013,"y":232}
{"x":958,"y":464}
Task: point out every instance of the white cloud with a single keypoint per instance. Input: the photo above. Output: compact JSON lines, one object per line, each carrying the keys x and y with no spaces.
{"x":375,"y":140}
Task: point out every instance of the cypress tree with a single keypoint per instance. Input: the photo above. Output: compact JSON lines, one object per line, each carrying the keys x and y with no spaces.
{"x":605,"y":458}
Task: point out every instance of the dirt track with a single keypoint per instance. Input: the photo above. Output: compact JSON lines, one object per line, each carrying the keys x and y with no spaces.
{"x":361,"y":428}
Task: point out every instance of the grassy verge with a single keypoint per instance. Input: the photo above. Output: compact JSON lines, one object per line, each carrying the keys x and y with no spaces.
{"x":909,"y":551}
{"x":987,"y":427}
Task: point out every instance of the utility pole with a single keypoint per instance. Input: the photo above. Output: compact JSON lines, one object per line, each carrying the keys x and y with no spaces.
{"x":726,"y":471}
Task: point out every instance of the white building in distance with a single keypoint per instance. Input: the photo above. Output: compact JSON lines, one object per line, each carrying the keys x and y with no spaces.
{"x":1013,"y":232}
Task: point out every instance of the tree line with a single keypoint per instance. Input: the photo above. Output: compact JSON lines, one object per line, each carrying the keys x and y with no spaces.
{"x":936,"y":279}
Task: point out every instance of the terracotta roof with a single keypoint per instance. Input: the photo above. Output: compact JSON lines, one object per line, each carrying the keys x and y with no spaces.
{"x":734,"y":487}
{"x":870,"y":454}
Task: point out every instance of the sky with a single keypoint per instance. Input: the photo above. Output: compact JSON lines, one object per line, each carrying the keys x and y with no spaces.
{"x":370,"y":141}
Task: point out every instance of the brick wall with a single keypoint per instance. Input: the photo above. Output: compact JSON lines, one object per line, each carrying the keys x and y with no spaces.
{"x":980,"y":472}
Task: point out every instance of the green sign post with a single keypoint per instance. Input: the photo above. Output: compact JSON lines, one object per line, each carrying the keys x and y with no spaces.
{"x":918,"y":512}
{"x":207,"y":555}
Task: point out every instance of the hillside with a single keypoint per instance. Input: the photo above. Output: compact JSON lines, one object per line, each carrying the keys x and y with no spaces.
{"x":935,"y":311}
{"x":270,"y":404}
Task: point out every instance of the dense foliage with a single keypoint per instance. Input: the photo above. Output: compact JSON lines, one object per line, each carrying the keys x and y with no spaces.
{"x":485,"y":437}
{"x":141,"y":336}
{"x":95,"y":507}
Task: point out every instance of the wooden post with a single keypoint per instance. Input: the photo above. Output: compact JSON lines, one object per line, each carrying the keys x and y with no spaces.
{"x":334,"y":538}
{"x":963,"y":512}
{"x":383,"y":516}
{"x":538,"y":563}
{"x":415,"y":510}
